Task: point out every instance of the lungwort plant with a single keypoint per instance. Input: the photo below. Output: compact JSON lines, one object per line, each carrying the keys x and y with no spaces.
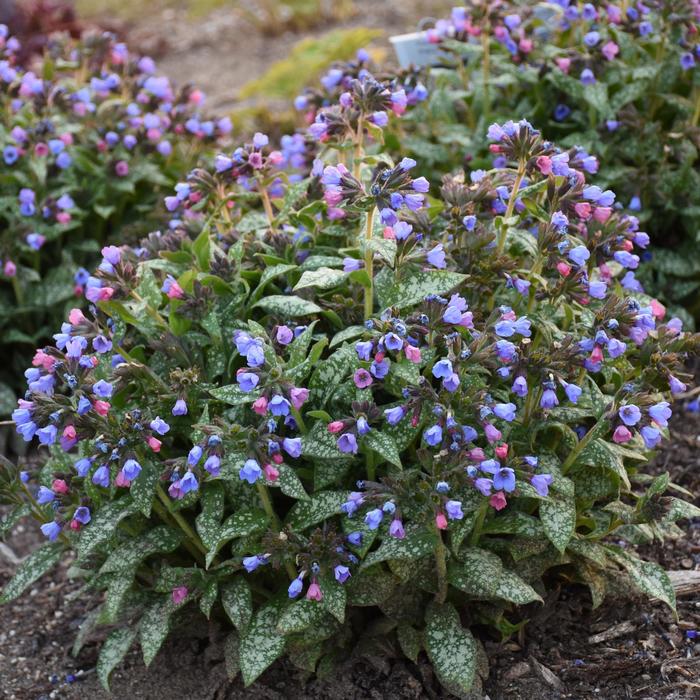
{"x":314,"y":403}
{"x":90,"y":141}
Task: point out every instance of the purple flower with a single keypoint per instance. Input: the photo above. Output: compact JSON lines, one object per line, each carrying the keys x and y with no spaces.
{"x":454,"y":510}
{"x":292,"y":446}
{"x":44,"y":496}
{"x":616,"y":348}
{"x":355,"y":538}
{"x":374,"y":518}
{"x":396,"y":529}
{"x":279,"y":406}
{"x":687,"y":61}
{"x":442,"y":369}
{"x":101,"y":476}
{"x":250,"y":471}
{"x":212,"y":465}
{"x":180,"y":408}
{"x":519,"y":387}
{"x":433,"y":435}
{"x":392,"y":342}
{"x":158,"y":425}
{"x":252,"y":563}
{"x":188,"y":483}
{"x":341,"y":573}
{"x":194,"y":455}
{"x":504,"y":479}
{"x":483,"y":485}
{"x":102,"y":389}
{"x":630,"y":414}
{"x":394,"y":415}
{"x":82,"y":515}
{"x":347,"y":443}
{"x":541,"y":483}
{"x":579,"y":255}
{"x":131,"y":469}
{"x":420,"y":184}
{"x":295,"y":587}
{"x":549,"y":399}
{"x":363,"y":348}
{"x":51,"y":530}
{"x":247,"y":381}
{"x":651,"y":436}
{"x":587,"y":76}
{"x":573,"y":392}
{"x":676,"y":385}
{"x":660,"y":413}
{"x":436,"y":257}
{"x":506,"y":411}
{"x":47,"y":435}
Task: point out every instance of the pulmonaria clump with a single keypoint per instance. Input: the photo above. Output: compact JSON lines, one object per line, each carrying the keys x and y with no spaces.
{"x":360,"y":396}
{"x":92,"y":112}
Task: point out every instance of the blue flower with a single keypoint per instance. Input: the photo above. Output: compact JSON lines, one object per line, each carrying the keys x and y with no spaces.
{"x":295,"y":587}
{"x":374,"y":518}
{"x":579,"y":255}
{"x":44,"y":496}
{"x":102,"y":389}
{"x":573,"y":392}
{"x":279,"y":406}
{"x":347,"y":443}
{"x":51,"y":530}
{"x":82,"y":515}
{"x":433,"y":435}
{"x":158,"y":425}
{"x":250,"y":471}
{"x":213,"y":465}
{"x":247,"y":381}
{"x":46,"y":435}
{"x":504,"y":479}
{"x":292,"y":446}
{"x":101,"y":476}
{"x":180,"y":408}
{"x":394,"y":415}
{"x":188,"y":482}
{"x":442,"y":369}
{"x":252,"y":563}
{"x":194,"y":456}
{"x":454,"y":510}
{"x":630,"y":414}
{"x":131,"y":469}
{"x":541,"y":483}
{"x":549,"y":399}
{"x":660,"y":413}
{"x":506,"y":411}
{"x":341,"y":573}
{"x":436,"y":257}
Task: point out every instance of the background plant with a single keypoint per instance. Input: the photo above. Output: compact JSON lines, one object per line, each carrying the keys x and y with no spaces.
{"x":618,"y":81}
{"x":90,"y":139}
{"x":315,"y":398}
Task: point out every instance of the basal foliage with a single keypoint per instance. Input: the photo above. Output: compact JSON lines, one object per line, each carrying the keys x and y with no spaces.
{"x":90,"y":141}
{"x":325,"y":397}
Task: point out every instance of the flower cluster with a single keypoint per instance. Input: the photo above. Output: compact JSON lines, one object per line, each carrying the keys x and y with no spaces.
{"x":92,"y":112}
{"x":310,"y":407}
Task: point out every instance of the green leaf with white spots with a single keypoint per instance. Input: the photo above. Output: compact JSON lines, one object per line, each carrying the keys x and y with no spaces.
{"x":347,"y":334}
{"x":126,"y":557}
{"x":290,"y":484}
{"x":323,"y":278}
{"x":370,"y":587}
{"x":410,"y":641}
{"x":599,"y":454}
{"x":333,"y":371}
{"x":208,"y":522}
{"x":12,"y":518}
{"x":419,"y":284}
{"x":678,"y":510}
{"x":318,"y":443}
{"x":269,"y":273}
{"x":209,"y":597}
{"x":514,"y":523}
{"x":403,"y":433}
{"x":335,"y":597}
{"x":385,"y":248}
{"x":451,"y":648}
{"x":116,"y":593}
{"x":319,"y":507}
{"x":241,"y":524}
{"x":648,"y":577}
{"x":113,"y":652}
{"x":233,"y":395}
{"x":261,"y":644}
{"x":143,"y":488}
{"x":513,"y":589}
{"x":477,"y":572}
{"x":418,"y":543}
{"x":287,"y":306}
{"x":237,"y":600}
{"x":103,"y":525}
{"x":300,"y":345}
{"x":383,"y":444}
{"x":232,"y":655}
{"x":155,"y":626}
{"x":31,"y":569}
{"x":558,"y":514}
{"x":300,"y":615}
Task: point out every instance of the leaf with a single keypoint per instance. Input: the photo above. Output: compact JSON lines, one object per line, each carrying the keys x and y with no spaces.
{"x":417,"y":286}
{"x":386,"y":248}
{"x":648,"y":577}
{"x":233,"y":395}
{"x":208,"y":522}
{"x":410,"y":641}
{"x":319,"y":507}
{"x":513,"y":589}
{"x":300,"y":615}
{"x":678,"y":509}
{"x":335,"y":597}
{"x":130,"y":554}
{"x":113,"y":652}
{"x":599,"y":454}
{"x":155,"y":626}
{"x":384,"y":445}
{"x":238,"y":603}
{"x":340,"y":337}
{"x":290,"y":483}
{"x":143,"y":488}
{"x":241,"y":524}
{"x":209,"y":597}
{"x":370,"y":587}
{"x":231,"y":655}
{"x":261,"y":644}
{"x":31,"y":569}
{"x":323,"y":278}
{"x":269,"y":273}
{"x":12,"y":518}
{"x":103,"y":526}
{"x":318,"y":443}
{"x":477,"y":572}
{"x":558,"y":514}
{"x":417,"y":543}
{"x":451,"y":649}
{"x":287,"y":306}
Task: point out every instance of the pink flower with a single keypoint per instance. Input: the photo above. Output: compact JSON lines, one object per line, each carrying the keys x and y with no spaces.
{"x":314,"y":592}
{"x":525,"y":45}
{"x":122,"y":481}
{"x":544,"y":163}
{"x":59,"y":485}
{"x":498,"y":501}
{"x":255,"y":160}
{"x":493,"y":434}
{"x":602,"y":214}
{"x":388,"y":233}
{"x":336,"y":426}
{"x":564,"y":64}
{"x":658,"y":310}
{"x":477,"y":454}
{"x":69,"y":432}
{"x":63,"y":217}
{"x":175,"y":291}
{"x":102,"y":407}
{"x":610,"y":50}
{"x":362,"y":378}
{"x":412,"y":353}
{"x":597,"y":354}
{"x":275,"y":157}
{"x":563,"y":269}
{"x":502,"y":451}
{"x":154,"y":443}
{"x":583,"y":210}
{"x":76,"y":317}
{"x":621,"y":435}
{"x":10,"y":269}
{"x":298,"y":397}
{"x":441,"y":521}
{"x":121,"y":168}
{"x":41,"y":149}
{"x":260,"y":406}
{"x":179,"y":594}
{"x":271,"y":473}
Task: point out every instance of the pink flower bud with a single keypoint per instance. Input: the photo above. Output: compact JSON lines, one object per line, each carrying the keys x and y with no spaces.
{"x":277,"y":458}
{"x":602,"y":214}
{"x":314,"y":592}
{"x":525,"y":45}
{"x":106,"y":293}
{"x":336,"y":426}
{"x":10,"y":269}
{"x":41,"y":149}
{"x":412,"y":354}
{"x":502,"y":451}
{"x":658,"y":310}
{"x":298,"y":397}
{"x":627,"y":245}
{"x":564,"y":64}
{"x":59,"y":486}
{"x":271,"y":473}
{"x":63,"y":217}
{"x":275,"y":157}
{"x":102,"y":407}
{"x":154,"y":443}
{"x":621,"y":435}
{"x":597,"y":354}
{"x":563,"y":269}
{"x":260,"y":406}
{"x":69,"y":432}
{"x":388,"y":233}
{"x":121,"y":168}
{"x":175,"y":291}
{"x":493,"y":434}
{"x":121,"y":481}
{"x":441,"y":521}
{"x":544,"y":163}
{"x":498,"y":501}
{"x":179,"y":594}
{"x":477,"y":454}
{"x":74,"y":525}
{"x":76,"y":317}
{"x":583,"y":210}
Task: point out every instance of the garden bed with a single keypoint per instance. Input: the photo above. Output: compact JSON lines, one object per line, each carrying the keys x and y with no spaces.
{"x":647,"y":653}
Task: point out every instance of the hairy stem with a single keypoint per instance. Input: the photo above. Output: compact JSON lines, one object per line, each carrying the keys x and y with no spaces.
{"x":511,"y":206}
{"x":479,"y":524}
{"x":266,"y":501}
{"x":267,"y":205}
{"x":358,"y":151}
{"x":200,"y":550}
{"x":369,"y":262}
